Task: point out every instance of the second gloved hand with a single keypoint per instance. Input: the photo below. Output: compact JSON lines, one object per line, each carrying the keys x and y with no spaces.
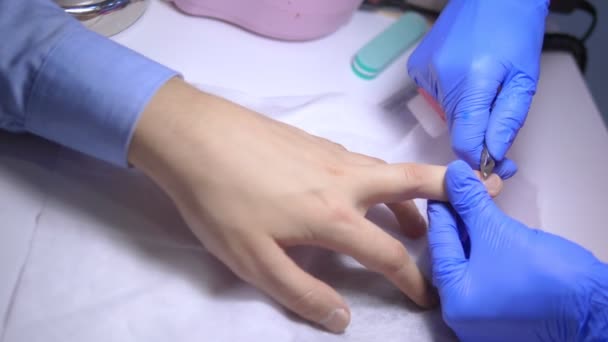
{"x":510,"y":282}
{"x":480,"y":61}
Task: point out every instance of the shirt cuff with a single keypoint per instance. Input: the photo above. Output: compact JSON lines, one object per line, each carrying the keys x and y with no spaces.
{"x":89,"y":93}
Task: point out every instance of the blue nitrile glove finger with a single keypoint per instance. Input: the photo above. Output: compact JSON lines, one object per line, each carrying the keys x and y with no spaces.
{"x":468,"y":122}
{"x":444,"y":240}
{"x":509,"y":114}
{"x":445,"y":244}
{"x":505,"y":168}
{"x":480,"y":61}
{"x":468,"y":196}
{"x":517,"y":284}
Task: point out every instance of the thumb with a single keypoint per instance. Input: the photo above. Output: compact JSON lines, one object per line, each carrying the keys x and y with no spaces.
{"x":468,"y":196}
{"x":509,"y":114}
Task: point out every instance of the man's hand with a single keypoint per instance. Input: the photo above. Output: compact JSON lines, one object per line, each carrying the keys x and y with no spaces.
{"x":249,"y":186}
{"x":480,"y":61}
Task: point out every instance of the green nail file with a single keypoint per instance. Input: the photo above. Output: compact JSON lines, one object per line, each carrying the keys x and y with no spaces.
{"x":381,"y":51}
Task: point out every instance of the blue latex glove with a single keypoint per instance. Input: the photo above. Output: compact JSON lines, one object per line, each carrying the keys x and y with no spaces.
{"x":475,"y":49}
{"x":515,"y":283}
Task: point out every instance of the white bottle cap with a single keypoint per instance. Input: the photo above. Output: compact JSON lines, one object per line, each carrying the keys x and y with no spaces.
{"x":426,"y":115}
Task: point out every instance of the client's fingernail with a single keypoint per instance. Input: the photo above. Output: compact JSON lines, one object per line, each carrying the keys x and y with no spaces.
{"x":493,"y":184}
{"x":336,"y":321}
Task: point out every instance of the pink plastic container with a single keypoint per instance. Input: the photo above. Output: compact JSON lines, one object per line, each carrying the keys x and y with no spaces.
{"x":280,"y":19}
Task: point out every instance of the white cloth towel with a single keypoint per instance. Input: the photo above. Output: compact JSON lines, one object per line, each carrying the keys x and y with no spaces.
{"x":111,"y":260}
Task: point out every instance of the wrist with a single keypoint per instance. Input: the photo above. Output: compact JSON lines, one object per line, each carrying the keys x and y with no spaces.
{"x":160,"y":142}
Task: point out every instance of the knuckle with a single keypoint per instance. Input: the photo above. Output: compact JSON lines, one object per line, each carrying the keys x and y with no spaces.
{"x":515,"y":118}
{"x":482,"y":65}
{"x":412,"y":175}
{"x":333,"y":144}
{"x":377,"y":161}
{"x":323,"y":198}
{"x":244,"y":258}
{"x":342,"y":214}
{"x":526,"y":83}
{"x":394,"y":259}
{"x":335,"y":170}
{"x":242,"y":267}
{"x":365,"y":159}
{"x":335,"y":210}
{"x":439,"y":62}
{"x":338,"y":146}
{"x":263,"y":270}
{"x":304,"y":302}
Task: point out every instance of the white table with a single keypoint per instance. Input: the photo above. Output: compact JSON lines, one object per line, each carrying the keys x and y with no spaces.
{"x":561,"y":151}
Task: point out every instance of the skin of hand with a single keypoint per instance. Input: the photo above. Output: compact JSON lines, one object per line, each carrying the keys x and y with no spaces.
{"x":513,"y":283}
{"x":481,"y":62}
{"x":249,"y":187}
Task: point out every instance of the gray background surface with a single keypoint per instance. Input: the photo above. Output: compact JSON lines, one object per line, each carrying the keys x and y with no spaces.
{"x":597,"y":68}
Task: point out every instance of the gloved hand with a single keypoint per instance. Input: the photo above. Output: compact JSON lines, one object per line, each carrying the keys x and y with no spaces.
{"x":480,"y":62}
{"x":514,"y":283}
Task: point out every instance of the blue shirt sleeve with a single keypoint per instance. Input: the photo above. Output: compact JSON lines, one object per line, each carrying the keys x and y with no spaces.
{"x":65,"y":83}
